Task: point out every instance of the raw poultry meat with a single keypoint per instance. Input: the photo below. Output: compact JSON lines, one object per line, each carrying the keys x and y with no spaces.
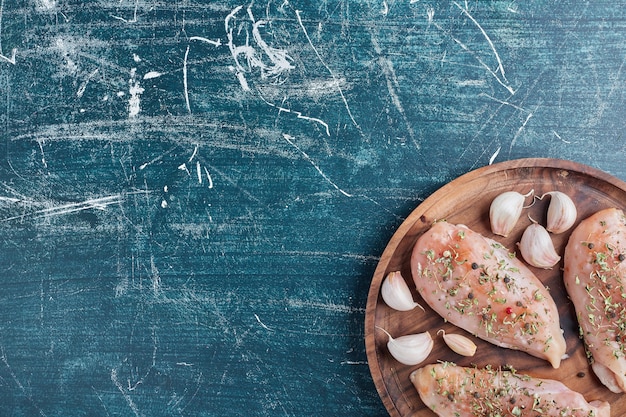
{"x":475,"y":283}
{"x":594,"y":276}
{"x":454,"y":391}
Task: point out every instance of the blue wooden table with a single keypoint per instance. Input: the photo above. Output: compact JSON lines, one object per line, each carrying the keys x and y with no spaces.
{"x":194,"y":195}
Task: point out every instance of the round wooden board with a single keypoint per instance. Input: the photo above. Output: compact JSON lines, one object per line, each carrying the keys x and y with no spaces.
{"x":466,"y":201}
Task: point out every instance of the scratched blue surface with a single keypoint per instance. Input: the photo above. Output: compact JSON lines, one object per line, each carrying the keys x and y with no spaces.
{"x":194,"y":195}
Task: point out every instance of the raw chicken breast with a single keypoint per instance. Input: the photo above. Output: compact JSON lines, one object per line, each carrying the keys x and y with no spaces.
{"x":455,"y":391}
{"x":476,"y":284}
{"x":595,"y":275}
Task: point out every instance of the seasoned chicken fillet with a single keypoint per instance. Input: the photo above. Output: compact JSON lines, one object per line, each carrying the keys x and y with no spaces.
{"x":595,"y":279}
{"x":476,"y":284}
{"x":454,"y":391}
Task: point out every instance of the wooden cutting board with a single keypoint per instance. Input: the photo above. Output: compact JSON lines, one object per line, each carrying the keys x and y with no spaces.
{"x":466,"y":201}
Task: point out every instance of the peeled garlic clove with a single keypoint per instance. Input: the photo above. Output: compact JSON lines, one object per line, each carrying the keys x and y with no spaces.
{"x":410,"y":349}
{"x":537,"y":248}
{"x":460,"y":344}
{"x":505,"y":211}
{"x":396,"y":293}
{"x":561,"y":212}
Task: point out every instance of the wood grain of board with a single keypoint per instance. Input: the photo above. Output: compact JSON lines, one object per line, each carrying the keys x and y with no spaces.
{"x":466,"y":200}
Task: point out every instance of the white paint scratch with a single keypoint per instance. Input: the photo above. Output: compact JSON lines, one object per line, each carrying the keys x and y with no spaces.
{"x":17,"y":382}
{"x":101,"y":400}
{"x":156,"y":159}
{"x":430,"y":14}
{"x":495,"y":155}
{"x":470,"y":83}
{"x":519,"y":131}
{"x":279,"y":60}
{"x":151,"y":75}
{"x":482,"y":63}
{"x":46,"y":5}
{"x":560,"y":138}
{"x":243,"y":82}
{"x":298,"y":114}
{"x":208,"y":176}
{"x":512,"y":9}
{"x":185,"y":82}
{"x":209,"y":41}
{"x":332,"y":307}
{"x":506,"y":103}
{"x":332,"y":74}
{"x":134,"y":18}
{"x":135,"y":90}
{"x":126,"y":396}
{"x":392,"y":84}
{"x":43,"y":155}
{"x":83,"y":86}
{"x":194,"y":153}
{"x":3,"y":57}
{"x":234,"y":51}
{"x":261,"y":323}
{"x":11,"y":59}
{"x":9,"y":199}
{"x":500,"y":68}
{"x":334,"y":255}
{"x":216,"y":43}
{"x":485,"y":66}
{"x":100,"y":203}
{"x":289,"y":139}
{"x":183,"y":167}
{"x":390,"y":75}
{"x":199,"y":172}
{"x":155,"y":277}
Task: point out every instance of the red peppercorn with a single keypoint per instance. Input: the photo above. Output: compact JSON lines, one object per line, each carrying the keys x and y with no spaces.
{"x":509,"y":310}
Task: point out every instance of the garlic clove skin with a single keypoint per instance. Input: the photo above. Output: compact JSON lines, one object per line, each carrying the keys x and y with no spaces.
{"x":396,"y":293}
{"x":460,"y":344}
{"x":505,"y":211}
{"x":561,"y":212}
{"x":537,"y":248}
{"x":410,"y":349}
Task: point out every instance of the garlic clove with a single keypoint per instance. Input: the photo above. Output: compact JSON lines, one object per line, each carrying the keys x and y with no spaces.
{"x":561,"y":212}
{"x":505,"y":211}
{"x":410,"y":349}
{"x":459,"y":344}
{"x":396,"y":293}
{"x":537,"y":248}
